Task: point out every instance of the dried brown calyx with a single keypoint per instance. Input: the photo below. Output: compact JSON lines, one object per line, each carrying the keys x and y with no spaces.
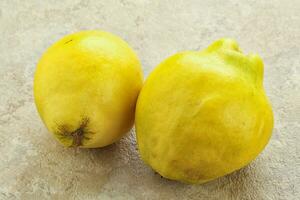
{"x":77,"y":135}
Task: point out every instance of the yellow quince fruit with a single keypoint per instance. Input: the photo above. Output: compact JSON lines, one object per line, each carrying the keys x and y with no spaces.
{"x":85,"y":88}
{"x":202,"y":115}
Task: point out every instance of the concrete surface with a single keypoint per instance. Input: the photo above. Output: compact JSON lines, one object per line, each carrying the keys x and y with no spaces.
{"x":34,"y":166}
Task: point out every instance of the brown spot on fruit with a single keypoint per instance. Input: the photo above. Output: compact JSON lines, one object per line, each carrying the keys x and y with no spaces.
{"x":77,"y":135}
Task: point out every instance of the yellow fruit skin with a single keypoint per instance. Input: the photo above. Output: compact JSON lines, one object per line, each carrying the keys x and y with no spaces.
{"x":85,"y":88}
{"x":202,"y":115}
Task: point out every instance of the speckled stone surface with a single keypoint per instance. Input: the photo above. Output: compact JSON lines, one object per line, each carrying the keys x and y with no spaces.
{"x":34,"y":166}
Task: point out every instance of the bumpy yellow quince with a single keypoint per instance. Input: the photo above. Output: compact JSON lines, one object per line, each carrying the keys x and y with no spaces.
{"x":202,"y":115}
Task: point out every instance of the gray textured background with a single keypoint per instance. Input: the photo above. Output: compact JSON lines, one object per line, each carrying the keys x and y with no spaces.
{"x":34,"y":166}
